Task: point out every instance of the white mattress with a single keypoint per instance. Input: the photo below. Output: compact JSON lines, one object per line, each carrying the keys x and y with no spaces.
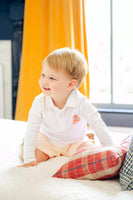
{"x":36,"y":183}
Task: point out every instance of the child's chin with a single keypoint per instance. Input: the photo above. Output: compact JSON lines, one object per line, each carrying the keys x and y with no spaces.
{"x":46,"y":93}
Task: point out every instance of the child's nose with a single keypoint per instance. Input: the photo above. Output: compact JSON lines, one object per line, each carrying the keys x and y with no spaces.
{"x":45,"y":80}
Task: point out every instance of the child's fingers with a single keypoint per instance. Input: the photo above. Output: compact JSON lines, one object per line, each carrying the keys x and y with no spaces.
{"x":33,"y":163}
{"x":26,"y":165}
{"x":19,"y":165}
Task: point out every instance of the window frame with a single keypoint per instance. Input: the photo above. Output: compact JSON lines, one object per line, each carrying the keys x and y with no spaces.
{"x":115,"y":114}
{"x":117,"y":117}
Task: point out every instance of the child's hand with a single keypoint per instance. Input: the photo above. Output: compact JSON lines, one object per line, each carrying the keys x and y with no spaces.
{"x":31,"y":164}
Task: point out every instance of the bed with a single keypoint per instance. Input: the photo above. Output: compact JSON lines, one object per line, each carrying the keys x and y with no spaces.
{"x":37,"y":183}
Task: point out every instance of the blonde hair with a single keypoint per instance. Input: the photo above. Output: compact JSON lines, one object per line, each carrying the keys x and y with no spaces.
{"x":70,"y":61}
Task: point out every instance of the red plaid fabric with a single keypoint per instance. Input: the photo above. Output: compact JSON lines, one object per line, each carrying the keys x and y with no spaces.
{"x":96,"y":163}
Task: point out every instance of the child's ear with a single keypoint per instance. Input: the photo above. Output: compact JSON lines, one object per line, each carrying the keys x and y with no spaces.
{"x":72,"y":84}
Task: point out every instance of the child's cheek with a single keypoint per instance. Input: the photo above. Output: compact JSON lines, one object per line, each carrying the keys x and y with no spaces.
{"x":54,"y":87}
{"x":40,"y":82}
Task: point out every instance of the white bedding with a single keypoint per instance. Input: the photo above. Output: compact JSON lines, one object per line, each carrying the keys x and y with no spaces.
{"x":36,"y":183}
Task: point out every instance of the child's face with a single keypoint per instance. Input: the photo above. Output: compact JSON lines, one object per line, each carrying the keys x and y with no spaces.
{"x":54,"y":83}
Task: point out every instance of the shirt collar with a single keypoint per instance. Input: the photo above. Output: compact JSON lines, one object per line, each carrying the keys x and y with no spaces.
{"x":72,"y":100}
{"x":48,"y":102}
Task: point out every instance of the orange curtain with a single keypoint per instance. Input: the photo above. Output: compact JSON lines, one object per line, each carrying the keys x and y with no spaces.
{"x":48,"y":25}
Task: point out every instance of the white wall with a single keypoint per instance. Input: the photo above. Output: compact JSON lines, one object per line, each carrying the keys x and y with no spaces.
{"x":5,"y":62}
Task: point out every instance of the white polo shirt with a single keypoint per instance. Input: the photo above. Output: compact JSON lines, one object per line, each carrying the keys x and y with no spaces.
{"x":65,"y":126}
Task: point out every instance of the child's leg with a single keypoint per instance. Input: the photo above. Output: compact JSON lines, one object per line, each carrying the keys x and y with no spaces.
{"x":85,"y":144}
{"x":77,"y":146}
{"x":40,"y":156}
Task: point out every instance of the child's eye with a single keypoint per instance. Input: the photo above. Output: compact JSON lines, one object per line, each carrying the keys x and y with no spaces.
{"x":52,"y":78}
{"x":43,"y":75}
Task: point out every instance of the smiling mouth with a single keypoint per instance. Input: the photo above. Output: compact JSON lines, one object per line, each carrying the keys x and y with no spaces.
{"x":46,"y":88}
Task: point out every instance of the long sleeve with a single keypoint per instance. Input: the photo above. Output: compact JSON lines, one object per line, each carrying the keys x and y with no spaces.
{"x":33,"y":128}
{"x":93,"y":118}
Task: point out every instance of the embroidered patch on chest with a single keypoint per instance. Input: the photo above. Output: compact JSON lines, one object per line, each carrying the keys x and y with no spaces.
{"x":76,"y":119}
